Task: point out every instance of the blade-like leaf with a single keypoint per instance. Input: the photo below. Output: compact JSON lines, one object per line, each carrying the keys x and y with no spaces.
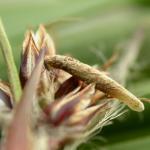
{"x":18,"y":134}
{"x":12,"y":70}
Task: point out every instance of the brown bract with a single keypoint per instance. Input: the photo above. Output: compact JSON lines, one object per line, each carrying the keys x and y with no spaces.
{"x":5,"y":94}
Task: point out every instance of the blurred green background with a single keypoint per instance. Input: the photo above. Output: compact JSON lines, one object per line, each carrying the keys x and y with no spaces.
{"x":87,"y":29}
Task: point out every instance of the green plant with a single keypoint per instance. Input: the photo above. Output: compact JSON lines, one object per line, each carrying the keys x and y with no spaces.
{"x":57,"y":110}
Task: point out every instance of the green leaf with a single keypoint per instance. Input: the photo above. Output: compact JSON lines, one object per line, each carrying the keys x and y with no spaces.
{"x":104,"y":24}
{"x":12,"y":70}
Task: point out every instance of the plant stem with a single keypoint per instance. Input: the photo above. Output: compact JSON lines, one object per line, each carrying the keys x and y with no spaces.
{"x":91,"y":75}
{"x":120,"y":71}
{"x":12,"y":70}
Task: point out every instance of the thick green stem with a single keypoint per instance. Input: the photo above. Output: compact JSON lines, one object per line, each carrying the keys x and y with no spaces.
{"x":12,"y":70}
